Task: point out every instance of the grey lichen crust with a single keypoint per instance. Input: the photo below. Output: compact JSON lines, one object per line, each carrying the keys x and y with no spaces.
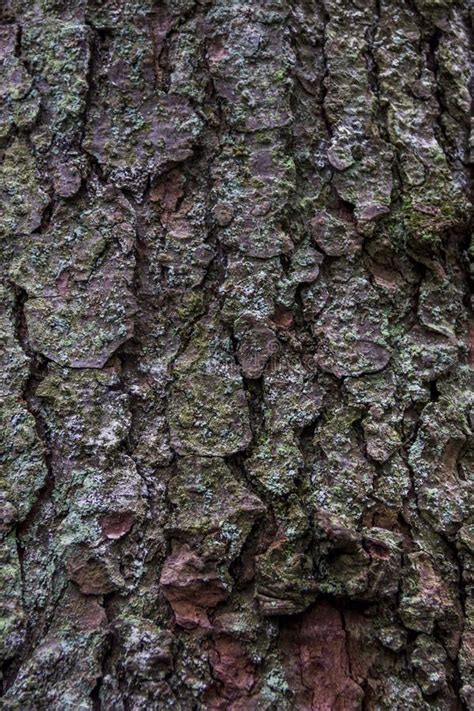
{"x":236,"y":415}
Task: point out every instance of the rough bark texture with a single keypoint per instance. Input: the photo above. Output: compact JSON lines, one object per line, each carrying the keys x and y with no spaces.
{"x":235,"y":376}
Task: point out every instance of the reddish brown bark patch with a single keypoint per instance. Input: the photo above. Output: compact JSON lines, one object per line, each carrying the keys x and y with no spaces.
{"x":191,"y":586}
{"x":234,"y":674}
{"x":116,"y":525}
{"x":316,"y":661}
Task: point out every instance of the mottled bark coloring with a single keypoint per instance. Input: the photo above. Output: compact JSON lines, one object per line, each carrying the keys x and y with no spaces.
{"x":236,"y":399}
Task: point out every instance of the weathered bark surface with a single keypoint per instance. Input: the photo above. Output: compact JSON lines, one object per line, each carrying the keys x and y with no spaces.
{"x":235,"y":377}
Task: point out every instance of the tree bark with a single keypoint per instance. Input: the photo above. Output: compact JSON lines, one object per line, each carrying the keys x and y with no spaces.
{"x":235,"y":380}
